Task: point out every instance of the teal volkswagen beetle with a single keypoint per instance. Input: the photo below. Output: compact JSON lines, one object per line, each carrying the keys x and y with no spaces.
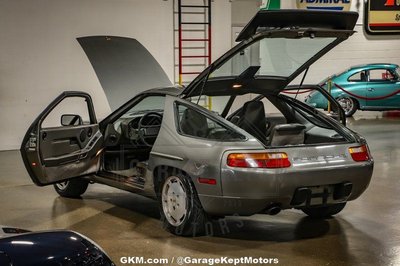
{"x":373,"y":87}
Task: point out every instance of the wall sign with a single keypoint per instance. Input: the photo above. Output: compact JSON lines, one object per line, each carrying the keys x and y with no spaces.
{"x":270,"y":4}
{"x":382,"y":16}
{"x":340,"y":5}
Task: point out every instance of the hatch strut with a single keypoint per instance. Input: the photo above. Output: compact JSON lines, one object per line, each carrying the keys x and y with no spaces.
{"x":302,"y":81}
{"x":204,"y":83}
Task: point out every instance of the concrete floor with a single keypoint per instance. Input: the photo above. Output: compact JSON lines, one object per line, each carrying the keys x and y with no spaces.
{"x":367,"y":232}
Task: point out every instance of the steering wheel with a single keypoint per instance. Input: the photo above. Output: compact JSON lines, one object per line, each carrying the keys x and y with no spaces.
{"x":149,"y":131}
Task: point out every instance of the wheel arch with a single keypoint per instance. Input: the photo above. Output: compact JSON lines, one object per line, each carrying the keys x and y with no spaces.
{"x":162,"y":171}
{"x":356,"y":101}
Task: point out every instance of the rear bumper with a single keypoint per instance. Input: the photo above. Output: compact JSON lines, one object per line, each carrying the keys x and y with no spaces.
{"x":250,"y":192}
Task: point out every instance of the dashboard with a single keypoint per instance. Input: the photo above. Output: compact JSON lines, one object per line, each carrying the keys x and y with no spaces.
{"x":140,"y":128}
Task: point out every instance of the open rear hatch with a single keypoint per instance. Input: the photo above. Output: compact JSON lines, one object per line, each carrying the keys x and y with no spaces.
{"x":276,"y":47}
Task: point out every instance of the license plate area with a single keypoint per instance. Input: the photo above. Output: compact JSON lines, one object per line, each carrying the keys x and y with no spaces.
{"x":321,"y":195}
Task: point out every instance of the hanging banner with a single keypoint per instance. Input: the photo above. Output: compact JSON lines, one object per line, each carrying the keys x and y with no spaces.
{"x":340,"y":5}
{"x":270,"y":4}
{"x":382,"y":16}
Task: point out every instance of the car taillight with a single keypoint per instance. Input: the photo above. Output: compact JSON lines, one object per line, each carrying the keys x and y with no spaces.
{"x":360,"y":154}
{"x":259,"y":160}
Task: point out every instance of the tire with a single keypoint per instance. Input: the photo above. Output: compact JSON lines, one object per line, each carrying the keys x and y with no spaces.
{"x":324,"y":212}
{"x":73,"y":188}
{"x":349,"y":105}
{"x":180,"y":207}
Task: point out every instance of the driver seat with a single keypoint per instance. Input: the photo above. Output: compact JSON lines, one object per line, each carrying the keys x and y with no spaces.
{"x":363,"y":77}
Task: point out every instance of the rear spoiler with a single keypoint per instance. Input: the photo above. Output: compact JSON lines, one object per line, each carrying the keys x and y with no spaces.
{"x":329,"y":20}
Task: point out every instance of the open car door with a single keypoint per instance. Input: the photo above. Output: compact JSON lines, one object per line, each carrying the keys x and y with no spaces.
{"x":62,"y":144}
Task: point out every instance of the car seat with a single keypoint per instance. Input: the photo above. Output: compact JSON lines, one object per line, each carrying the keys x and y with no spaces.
{"x":253,"y":120}
{"x":194,"y":123}
{"x":287,"y":134}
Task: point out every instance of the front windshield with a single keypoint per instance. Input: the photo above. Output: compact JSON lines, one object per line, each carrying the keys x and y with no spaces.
{"x":153,"y":103}
{"x":275,"y":56}
{"x":398,"y":72}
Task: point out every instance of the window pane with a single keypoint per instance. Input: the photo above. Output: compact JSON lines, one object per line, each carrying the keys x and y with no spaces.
{"x":148,"y":104}
{"x":196,"y":124}
{"x":275,"y":56}
{"x":380,"y":75}
{"x":68,"y":106}
{"x":357,"y":77}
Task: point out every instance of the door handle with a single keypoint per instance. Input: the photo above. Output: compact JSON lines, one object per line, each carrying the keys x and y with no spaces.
{"x":371,"y":89}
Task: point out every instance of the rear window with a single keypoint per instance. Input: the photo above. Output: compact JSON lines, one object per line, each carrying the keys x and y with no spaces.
{"x":274,"y":56}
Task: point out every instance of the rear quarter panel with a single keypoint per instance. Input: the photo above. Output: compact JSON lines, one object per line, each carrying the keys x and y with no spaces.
{"x":197,"y":157}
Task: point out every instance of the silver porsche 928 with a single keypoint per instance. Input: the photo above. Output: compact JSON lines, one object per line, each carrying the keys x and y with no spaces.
{"x":261,"y":149}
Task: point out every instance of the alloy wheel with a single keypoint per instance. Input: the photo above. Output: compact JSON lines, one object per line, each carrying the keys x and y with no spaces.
{"x":62,"y":185}
{"x":174,"y":201}
{"x":347,"y":104}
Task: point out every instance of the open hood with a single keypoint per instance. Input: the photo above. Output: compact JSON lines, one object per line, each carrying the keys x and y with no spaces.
{"x":123,"y":66}
{"x":276,"y":47}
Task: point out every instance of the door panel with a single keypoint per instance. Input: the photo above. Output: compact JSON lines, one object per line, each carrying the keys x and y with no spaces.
{"x":381,"y":83}
{"x":381,"y":89}
{"x":357,"y":88}
{"x":59,"y":153}
{"x":66,"y":145}
{"x":64,"y":140}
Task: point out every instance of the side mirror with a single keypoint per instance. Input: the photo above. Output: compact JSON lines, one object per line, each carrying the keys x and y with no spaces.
{"x":71,"y":120}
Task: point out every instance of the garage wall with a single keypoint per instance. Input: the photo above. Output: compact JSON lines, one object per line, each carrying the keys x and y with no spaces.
{"x":243,"y":11}
{"x":40,"y":56}
{"x":221,"y":27}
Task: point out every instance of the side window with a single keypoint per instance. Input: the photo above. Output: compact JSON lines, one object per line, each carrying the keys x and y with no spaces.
{"x":194,"y":123}
{"x":377,"y":75}
{"x":358,"y":77}
{"x":72,"y":111}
